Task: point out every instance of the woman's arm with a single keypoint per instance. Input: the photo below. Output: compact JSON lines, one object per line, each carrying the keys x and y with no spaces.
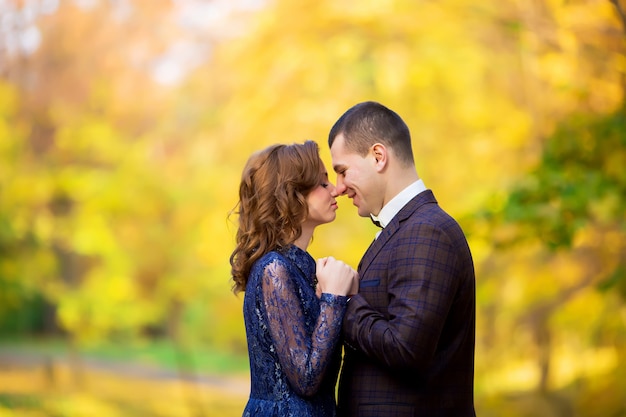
{"x":303,"y":357}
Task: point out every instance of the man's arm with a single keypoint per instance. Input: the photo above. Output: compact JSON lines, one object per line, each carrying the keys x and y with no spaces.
{"x":421,"y":286}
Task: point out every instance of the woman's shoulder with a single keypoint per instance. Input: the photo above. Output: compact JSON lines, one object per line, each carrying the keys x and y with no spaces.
{"x":272,"y":262}
{"x":272,"y":258}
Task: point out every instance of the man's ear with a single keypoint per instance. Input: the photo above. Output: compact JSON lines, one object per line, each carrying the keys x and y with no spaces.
{"x":379,"y":152}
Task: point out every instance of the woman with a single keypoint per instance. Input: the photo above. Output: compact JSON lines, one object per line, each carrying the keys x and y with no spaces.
{"x":293,"y":306}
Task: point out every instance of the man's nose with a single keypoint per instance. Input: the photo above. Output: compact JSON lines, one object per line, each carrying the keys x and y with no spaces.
{"x":340,"y":187}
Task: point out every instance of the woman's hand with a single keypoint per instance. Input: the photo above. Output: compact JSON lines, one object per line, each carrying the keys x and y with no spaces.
{"x":335,"y":277}
{"x":355,"y":284}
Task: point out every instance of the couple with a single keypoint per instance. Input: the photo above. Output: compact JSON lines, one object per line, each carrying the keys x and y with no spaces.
{"x":406,"y":318}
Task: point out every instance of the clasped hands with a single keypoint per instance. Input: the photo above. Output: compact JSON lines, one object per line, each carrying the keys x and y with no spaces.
{"x":336,"y":277}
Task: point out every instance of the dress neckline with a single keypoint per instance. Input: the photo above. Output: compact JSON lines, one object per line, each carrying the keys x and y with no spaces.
{"x":302,"y":260}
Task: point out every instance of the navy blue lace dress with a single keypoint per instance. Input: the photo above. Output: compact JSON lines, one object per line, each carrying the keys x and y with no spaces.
{"x":293,"y":338}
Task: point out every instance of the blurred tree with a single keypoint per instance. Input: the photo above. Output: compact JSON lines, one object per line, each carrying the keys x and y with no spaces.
{"x":558,"y":233}
{"x":83,"y":170}
{"x":573,"y":205}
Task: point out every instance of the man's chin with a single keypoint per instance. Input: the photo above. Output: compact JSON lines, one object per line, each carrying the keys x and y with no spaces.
{"x":362,"y":214}
{"x":360,"y":210}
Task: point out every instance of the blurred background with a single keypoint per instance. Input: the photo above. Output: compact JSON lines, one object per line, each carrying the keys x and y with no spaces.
{"x":124,"y":127}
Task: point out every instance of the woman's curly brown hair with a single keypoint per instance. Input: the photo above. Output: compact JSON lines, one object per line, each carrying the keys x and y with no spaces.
{"x":272,"y":203}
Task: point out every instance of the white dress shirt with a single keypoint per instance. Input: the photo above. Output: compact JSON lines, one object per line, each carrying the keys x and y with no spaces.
{"x":395,"y":204}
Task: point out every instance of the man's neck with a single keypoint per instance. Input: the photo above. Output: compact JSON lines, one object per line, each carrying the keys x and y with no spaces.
{"x":398,"y":183}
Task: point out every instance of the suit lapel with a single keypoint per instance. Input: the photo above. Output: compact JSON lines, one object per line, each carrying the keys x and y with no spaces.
{"x":406,"y":211}
{"x":376,"y":246}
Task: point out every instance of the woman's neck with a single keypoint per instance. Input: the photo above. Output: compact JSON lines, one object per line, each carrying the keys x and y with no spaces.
{"x":305,"y":238}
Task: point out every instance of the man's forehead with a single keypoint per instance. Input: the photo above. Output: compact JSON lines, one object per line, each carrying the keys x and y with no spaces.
{"x":337,"y":154}
{"x":338,"y":146}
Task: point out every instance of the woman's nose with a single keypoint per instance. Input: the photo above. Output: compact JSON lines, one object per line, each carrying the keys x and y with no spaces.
{"x":333,"y":190}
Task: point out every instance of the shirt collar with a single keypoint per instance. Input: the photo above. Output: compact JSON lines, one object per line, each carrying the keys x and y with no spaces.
{"x":394,"y":205}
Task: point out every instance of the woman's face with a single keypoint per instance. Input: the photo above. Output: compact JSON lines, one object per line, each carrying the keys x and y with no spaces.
{"x":322,"y":203}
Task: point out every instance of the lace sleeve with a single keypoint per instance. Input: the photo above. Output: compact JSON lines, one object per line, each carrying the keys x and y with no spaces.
{"x":304,"y":357}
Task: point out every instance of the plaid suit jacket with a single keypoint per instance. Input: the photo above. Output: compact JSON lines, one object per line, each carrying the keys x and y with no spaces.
{"x":409,"y":334}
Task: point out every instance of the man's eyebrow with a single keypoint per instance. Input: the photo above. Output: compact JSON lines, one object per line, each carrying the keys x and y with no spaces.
{"x":338,"y":167}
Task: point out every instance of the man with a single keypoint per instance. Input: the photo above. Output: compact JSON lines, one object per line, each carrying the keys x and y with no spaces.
{"x":410,"y":331}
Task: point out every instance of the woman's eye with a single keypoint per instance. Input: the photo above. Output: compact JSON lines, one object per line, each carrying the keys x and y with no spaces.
{"x":325,"y":184}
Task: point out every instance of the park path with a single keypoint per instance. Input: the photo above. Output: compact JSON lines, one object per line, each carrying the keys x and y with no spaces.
{"x":12,"y":358}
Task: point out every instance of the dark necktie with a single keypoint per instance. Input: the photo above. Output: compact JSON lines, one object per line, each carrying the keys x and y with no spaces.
{"x":376,"y":222}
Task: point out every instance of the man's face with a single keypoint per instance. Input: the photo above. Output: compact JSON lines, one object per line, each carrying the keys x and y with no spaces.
{"x":357,"y":178}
